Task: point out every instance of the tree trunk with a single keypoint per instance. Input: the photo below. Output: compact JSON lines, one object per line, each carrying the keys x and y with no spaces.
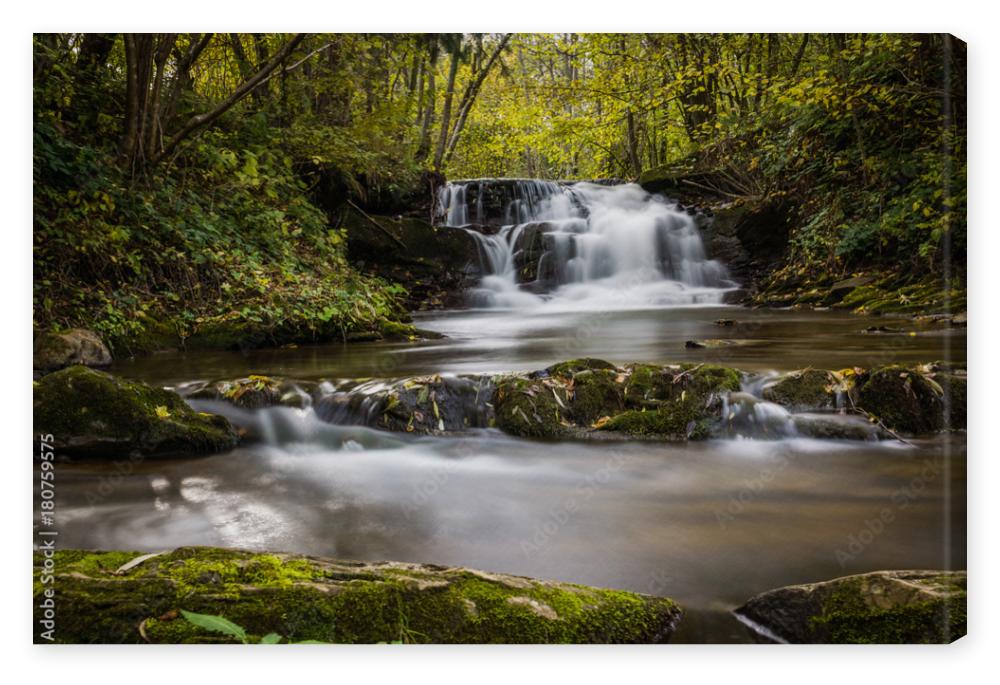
{"x":425,"y":130}
{"x":198,"y":121}
{"x":456,"y":56}
{"x":470,"y":97}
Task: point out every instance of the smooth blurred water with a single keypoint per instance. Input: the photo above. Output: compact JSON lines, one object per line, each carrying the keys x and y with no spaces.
{"x":709,"y":524}
{"x":489,"y":340}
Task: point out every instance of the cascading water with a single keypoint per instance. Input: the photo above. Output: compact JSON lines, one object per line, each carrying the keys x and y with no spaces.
{"x":581,"y":245}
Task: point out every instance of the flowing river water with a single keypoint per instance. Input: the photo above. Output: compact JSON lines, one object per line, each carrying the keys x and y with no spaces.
{"x":708,"y":523}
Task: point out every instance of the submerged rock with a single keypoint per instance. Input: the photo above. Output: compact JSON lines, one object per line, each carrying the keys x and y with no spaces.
{"x":54,"y":351}
{"x":92,"y":414}
{"x":106,"y":597}
{"x":880,"y":607}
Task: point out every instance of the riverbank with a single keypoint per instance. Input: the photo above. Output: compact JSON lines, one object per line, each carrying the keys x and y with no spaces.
{"x":214,"y":595}
{"x":297,"y":599}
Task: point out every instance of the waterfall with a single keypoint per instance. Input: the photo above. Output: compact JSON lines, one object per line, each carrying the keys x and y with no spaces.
{"x":581,"y":245}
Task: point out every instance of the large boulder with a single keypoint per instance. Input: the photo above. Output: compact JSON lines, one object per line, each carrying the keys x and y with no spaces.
{"x":54,"y":351}
{"x":422,"y":404}
{"x":595,"y":399}
{"x":436,"y":264}
{"x":880,"y":607}
{"x":804,"y":389}
{"x":532,"y":407}
{"x":92,"y":414}
{"x":121,"y":597}
{"x":911,"y":400}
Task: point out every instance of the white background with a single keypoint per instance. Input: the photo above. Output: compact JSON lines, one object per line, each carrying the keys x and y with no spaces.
{"x":969,"y":658}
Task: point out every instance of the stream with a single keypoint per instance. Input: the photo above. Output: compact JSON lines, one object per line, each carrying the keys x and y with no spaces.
{"x":707,"y":523}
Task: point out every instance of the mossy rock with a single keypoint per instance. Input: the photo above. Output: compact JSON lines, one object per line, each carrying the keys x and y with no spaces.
{"x":309,"y":598}
{"x":955,"y":398}
{"x":531,"y":408}
{"x":705,"y":379}
{"x":646,"y":384}
{"x":802,"y":390}
{"x":905,"y":400}
{"x":395,"y":330}
{"x":226,"y":334}
{"x":596,"y":393}
{"x":683,"y":421}
{"x":92,"y":414}
{"x":883,"y":607}
{"x":252,"y":392}
{"x":155,"y":334}
{"x":420,"y":404}
{"x":435,"y":404}
{"x":576,"y":397}
{"x":573,"y":366}
{"x":673,"y":402}
{"x":76,"y":346}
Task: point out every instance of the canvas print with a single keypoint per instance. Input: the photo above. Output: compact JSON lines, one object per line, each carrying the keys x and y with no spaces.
{"x":499,"y":338}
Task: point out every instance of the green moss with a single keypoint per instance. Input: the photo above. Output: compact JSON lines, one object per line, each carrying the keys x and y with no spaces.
{"x":394,"y":330}
{"x":224,"y":334}
{"x":904,"y":399}
{"x":305,"y":598}
{"x":805,"y":389}
{"x":848,"y":617}
{"x":645,"y":383}
{"x":574,"y":396}
{"x":888,"y":293}
{"x":596,"y":393}
{"x":573,"y":366}
{"x":677,"y":421}
{"x":253,"y":392}
{"x":528,"y":408}
{"x":150,"y":335}
{"x":91,"y":413}
{"x":710,"y":378}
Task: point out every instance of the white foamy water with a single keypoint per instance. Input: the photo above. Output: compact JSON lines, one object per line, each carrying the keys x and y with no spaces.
{"x":583,"y":246}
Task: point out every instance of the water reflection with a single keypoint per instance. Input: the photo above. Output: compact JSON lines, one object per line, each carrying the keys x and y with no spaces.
{"x":499,"y":340}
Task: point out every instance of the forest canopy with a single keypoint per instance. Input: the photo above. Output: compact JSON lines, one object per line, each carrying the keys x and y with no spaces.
{"x":186,"y":176}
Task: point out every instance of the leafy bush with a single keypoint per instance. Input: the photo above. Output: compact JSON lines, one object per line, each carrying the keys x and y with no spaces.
{"x":225,"y":235}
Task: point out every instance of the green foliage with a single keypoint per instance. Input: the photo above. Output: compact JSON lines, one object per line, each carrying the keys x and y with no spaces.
{"x":863,"y":135}
{"x":218,"y":624}
{"x":223,"y":239}
{"x":226,"y":236}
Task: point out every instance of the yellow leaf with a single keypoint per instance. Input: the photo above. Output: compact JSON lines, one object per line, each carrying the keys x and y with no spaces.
{"x":162,"y":412}
{"x":601,"y":422}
